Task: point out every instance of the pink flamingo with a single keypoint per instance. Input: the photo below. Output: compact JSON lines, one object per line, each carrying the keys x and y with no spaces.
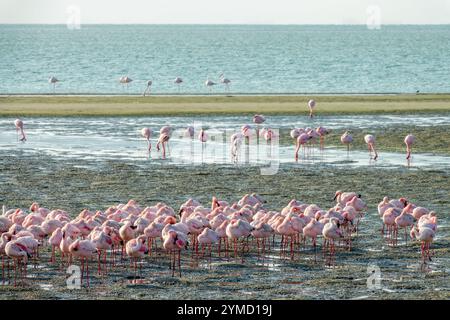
{"x":258,"y":120}
{"x":19,"y":127}
{"x":426,"y":236}
{"x":409,"y":141}
{"x":236,"y":142}
{"x":331,"y":232}
{"x":55,"y":241}
{"x":347,"y":139}
{"x":301,"y":141}
{"x":207,"y":238}
{"x":311,"y":105}
{"x":84,"y":250}
{"x":236,"y":229}
{"x":404,"y":220}
{"x":322,"y":133}
{"x":19,"y":253}
{"x":136,"y":249}
{"x":312,"y":230}
{"x":163,"y":140}
{"x":203,"y":137}
{"x":189,"y":132}
{"x":174,"y":242}
{"x":147,"y":133}
{"x":370,"y":140}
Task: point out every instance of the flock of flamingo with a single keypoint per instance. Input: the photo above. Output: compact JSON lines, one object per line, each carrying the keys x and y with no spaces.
{"x":304,"y":137}
{"x":229,"y":229}
{"x":126,"y":80}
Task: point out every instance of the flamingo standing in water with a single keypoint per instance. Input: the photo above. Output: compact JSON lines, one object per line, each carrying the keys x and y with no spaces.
{"x":370,"y":140}
{"x":178,"y":81}
{"x":147,"y":133}
{"x":203,"y":137}
{"x":19,"y":127}
{"x":236,"y":141}
{"x":301,"y":141}
{"x":163,"y":140}
{"x":209,"y":84}
{"x":322,"y":133}
{"x":409,"y":141}
{"x":258,"y":120}
{"x":225,"y":81}
{"x":52,"y":80}
{"x":147,"y":89}
{"x":125,"y":80}
{"x":311,"y":105}
{"x":347,"y":139}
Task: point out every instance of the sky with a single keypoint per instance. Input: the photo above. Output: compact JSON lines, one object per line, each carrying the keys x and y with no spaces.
{"x":226,"y":11}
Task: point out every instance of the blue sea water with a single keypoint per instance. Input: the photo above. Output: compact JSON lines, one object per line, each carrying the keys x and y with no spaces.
{"x":257,"y":59}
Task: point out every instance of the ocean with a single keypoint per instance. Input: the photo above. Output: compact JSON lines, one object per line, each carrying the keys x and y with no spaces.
{"x":258,"y":59}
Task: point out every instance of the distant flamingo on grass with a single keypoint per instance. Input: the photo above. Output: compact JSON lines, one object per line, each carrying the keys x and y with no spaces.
{"x":311,"y":106}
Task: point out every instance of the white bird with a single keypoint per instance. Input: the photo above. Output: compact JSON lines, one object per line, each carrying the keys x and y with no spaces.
{"x":149,"y":84}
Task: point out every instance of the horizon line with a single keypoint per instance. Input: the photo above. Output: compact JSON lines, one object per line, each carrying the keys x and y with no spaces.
{"x":235,"y":24}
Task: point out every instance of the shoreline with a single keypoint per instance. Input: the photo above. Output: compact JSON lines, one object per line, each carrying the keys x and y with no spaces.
{"x":184,"y":105}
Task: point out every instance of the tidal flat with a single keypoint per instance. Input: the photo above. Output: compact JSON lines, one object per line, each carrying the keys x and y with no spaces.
{"x":76,"y":184}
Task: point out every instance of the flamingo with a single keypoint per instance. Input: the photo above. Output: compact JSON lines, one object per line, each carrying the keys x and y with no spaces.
{"x":258,"y":119}
{"x":147,"y":133}
{"x":331,"y":232}
{"x":52,"y":80}
{"x":55,"y":241}
{"x":301,"y":141}
{"x":370,"y":140}
{"x":147,"y":89}
{"x":426,"y":236}
{"x":409,"y":141}
{"x":136,"y":249}
{"x":163,"y":140}
{"x":209,"y":84}
{"x":84,"y":250}
{"x":189,"y":132}
{"x":347,"y":139}
{"x":311,"y":105}
{"x":178,"y":81}
{"x":404,"y":220}
{"x":236,"y":141}
{"x":174,"y":242}
{"x":20,"y":254}
{"x":125,"y":80}
{"x":203,"y":137}
{"x":208,"y":237}
{"x":225,"y":81}
{"x":19,"y":127}
{"x":322,"y":133}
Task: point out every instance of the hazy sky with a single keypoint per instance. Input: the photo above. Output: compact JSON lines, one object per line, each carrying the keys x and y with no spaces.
{"x":226,"y":11}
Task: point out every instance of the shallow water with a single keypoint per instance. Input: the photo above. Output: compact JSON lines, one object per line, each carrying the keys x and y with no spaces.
{"x":256,"y":58}
{"x":118,"y":138}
